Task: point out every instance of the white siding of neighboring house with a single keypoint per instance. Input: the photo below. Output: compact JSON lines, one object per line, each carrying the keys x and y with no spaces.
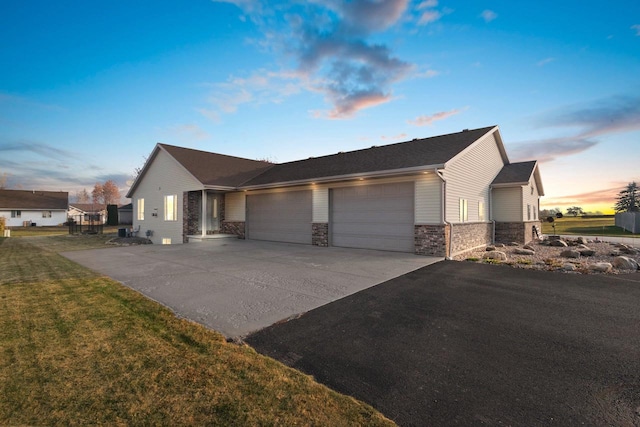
{"x":507,"y":204}
{"x":469,"y":177}
{"x":35,"y":216}
{"x":235,"y":206}
{"x":164,"y":177}
{"x":428,"y":201}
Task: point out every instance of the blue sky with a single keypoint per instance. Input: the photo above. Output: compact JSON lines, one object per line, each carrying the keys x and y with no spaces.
{"x":87,"y":89}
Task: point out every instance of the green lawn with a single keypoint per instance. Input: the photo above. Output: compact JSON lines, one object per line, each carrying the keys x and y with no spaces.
{"x":585,"y":226}
{"x":77,"y":348}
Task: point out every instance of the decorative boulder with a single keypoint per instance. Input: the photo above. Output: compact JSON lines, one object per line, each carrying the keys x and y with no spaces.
{"x":524,"y":251}
{"x":491,"y":248}
{"x":625,"y":263}
{"x":582,"y":246}
{"x":570,"y":253}
{"x":569,"y":267}
{"x":601,"y":267}
{"x":499,"y":245}
{"x":514,"y":244}
{"x":558,"y":243}
{"x":587,"y":252}
{"x":531,"y":248}
{"x":500,"y":256}
{"x":581,"y":240}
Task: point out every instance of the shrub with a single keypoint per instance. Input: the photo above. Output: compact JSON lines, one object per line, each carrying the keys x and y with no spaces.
{"x":2,"y":225}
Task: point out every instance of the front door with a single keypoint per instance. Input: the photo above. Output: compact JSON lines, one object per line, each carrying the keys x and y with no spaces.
{"x":213,"y":212}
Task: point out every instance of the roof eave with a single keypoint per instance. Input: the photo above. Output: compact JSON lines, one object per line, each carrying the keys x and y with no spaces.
{"x":348,"y":177}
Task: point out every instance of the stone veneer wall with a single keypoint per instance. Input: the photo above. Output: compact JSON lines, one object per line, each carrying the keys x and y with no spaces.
{"x":521,"y":232}
{"x":468,"y":236}
{"x":320,"y":234}
{"x":431,"y":240}
{"x":233,"y":227}
{"x":190,"y":214}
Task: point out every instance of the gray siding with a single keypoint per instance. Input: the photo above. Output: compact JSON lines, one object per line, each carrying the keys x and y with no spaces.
{"x":428,"y":203}
{"x":235,"y":206}
{"x":163,"y":177}
{"x":469,"y":177}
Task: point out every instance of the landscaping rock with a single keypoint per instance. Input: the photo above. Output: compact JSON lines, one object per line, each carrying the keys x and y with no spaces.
{"x":601,"y":267}
{"x":581,"y":240}
{"x":558,"y":243}
{"x":570,"y":253}
{"x":491,"y":248}
{"x":582,"y":246}
{"x":569,"y":267}
{"x":498,"y":255}
{"x":499,"y":245}
{"x":625,"y":263}
{"x":531,"y":248}
{"x":524,"y":251}
{"x":514,"y":244}
{"x":587,"y":252}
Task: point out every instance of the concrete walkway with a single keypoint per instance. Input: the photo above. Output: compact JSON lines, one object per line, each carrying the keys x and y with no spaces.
{"x":240,"y":286}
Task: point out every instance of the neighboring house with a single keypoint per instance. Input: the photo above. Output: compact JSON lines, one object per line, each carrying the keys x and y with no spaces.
{"x":88,"y":213}
{"x":437,"y":196}
{"x":125,"y":214}
{"x":39,"y":208}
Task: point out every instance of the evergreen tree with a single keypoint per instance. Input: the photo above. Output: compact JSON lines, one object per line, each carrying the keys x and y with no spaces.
{"x":628,"y":199}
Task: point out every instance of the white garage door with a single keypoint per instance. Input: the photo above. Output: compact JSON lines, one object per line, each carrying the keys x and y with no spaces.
{"x":280,"y":217}
{"x":373,"y":217}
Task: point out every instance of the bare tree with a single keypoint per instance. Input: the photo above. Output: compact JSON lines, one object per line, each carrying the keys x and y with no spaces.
{"x":3,"y":180}
{"x":82,"y":196}
{"x":97,"y":194}
{"x":110,"y":193}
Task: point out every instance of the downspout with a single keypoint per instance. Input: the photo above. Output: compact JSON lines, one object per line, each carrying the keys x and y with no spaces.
{"x":444,"y":213}
{"x":203,"y":214}
{"x":493,"y":221}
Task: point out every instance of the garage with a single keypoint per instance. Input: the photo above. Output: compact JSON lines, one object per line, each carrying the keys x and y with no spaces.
{"x":280,"y":217}
{"x":373,"y":217}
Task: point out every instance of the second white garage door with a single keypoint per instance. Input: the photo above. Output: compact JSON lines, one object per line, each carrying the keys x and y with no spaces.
{"x":373,"y":217}
{"x":280,"y":217}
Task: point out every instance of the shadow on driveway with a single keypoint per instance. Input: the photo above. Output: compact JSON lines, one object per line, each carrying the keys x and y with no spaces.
{"x":467,"y":344}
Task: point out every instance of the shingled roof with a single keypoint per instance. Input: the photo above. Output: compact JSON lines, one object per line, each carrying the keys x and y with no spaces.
{"x":38,"y":200}
{"x":434,"y":151}
{"x":519,"y":174}
{"x":216,"y":169}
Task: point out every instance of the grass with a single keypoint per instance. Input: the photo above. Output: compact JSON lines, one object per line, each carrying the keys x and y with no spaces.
{"x":586,"y":226}
{"x":51,"y":231}
{"x":77,"y":348}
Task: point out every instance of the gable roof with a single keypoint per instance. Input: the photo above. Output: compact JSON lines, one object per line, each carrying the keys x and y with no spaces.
{"x":516,"y":174}
{"x":434,"y":151}
{"x":38,"y":200}
{"x":210,"y":169}
{"x":89,"y":207}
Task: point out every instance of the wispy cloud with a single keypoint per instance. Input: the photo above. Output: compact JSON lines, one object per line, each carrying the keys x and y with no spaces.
{"x":545,"y":61}
{"x":602,"y":196}
{"x":188,"y":132}
{"x":636,"y":28}
{"x":427,"y":12}
{"x":33,"y":147}
{"x":325,"y":47}
{"x":428,"y":120}
{"x":616,"y":114}
{"x":398,"y":137}
{"x":488,"y":15}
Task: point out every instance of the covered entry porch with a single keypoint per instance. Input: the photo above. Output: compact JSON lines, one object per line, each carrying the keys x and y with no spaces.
{"x":203,"y":215}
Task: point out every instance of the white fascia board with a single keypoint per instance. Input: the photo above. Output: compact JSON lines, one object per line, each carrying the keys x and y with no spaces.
{"x":349,"y":177}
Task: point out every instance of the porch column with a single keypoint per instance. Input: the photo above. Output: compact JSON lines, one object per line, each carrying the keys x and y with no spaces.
{"x":203,"y":214}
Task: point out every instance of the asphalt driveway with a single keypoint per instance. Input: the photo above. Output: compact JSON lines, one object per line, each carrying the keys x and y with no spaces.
{"x":239,"y":286}
{"x":458,"y":343}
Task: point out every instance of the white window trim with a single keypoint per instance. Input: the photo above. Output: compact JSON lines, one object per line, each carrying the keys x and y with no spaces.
{"x":481,"y":215}
{"x":46,"y":214}
{"x":171,"y":209}
{"x":140,"y":209}
{"x":464,"y":210}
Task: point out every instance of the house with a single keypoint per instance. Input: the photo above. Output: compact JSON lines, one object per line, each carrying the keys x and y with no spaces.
{"x":38,"y":208}
{"x":83,"y":213}
{"x":439,"y":196}
{"x":125,"y":214}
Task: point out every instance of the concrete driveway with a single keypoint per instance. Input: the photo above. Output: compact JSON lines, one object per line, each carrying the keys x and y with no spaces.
{"x":240,"y":286}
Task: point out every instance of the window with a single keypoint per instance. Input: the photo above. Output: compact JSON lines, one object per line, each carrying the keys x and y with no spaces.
{"x":166,"y":241}
{"x":16,"y":214}
{"x":140,"y":209}
{"x":171,"y":208}
{"x":464,"y":214}
{"x":46,"y":214}
{"x":529,"y":212}
{"x":481,"y":210}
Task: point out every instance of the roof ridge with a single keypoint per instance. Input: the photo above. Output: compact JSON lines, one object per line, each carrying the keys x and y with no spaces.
{"x":213,"y":153}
